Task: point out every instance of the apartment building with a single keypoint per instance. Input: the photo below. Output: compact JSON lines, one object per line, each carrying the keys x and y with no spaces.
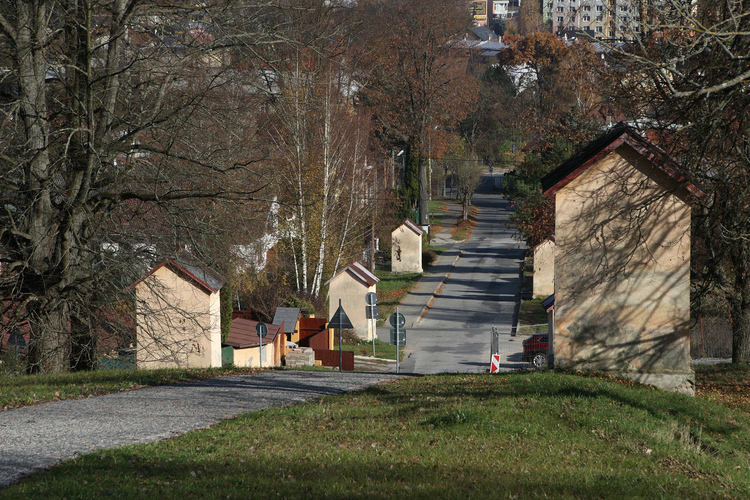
{"x":505,"y":9}
{"x":602,"y":19}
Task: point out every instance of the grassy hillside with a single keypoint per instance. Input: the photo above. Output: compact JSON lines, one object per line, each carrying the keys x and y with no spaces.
{"x":523,"y":435}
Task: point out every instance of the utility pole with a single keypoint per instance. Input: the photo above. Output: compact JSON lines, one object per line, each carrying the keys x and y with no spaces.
{"x":373,"y":212}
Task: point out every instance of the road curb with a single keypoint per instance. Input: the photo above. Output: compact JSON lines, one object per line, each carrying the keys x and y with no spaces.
{"x":427,"y":306}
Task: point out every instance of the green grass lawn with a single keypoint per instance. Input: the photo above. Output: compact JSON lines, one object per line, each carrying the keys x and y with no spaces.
{"x":523,"y":435}
{"x":438,"y":205}
{"x":364,"y":348}
{"x":532,"y":317}
{"x":437,"y":208}
{"x":392,"y":288}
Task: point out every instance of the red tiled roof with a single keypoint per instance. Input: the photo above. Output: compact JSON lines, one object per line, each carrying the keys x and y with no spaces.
{"x":242,"y":334}
{"x":358,"y":271}
{"x":417,"y":230}
{"x":192,"y":270}
{"x":599,"y":148}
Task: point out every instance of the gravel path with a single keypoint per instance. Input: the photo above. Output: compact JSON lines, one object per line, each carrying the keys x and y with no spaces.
{"x":36,"y":437}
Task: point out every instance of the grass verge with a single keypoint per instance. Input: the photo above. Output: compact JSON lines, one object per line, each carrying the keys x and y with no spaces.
{"x":392,"y":288}
{"x":463,"y":229}
{"x":524,"y":435}
{"x":437,"y":211}
{"x":24,"y":390}
{"x":532,"y":317}
{"x":726,"y":383}
{"x":364,"y":348}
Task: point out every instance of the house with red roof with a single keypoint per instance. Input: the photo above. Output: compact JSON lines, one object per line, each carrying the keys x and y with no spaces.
{"x":249,"y":350}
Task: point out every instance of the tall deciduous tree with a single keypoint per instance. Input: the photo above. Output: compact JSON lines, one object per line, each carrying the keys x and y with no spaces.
{"x":98,"y":149}
{"x":417,"y":78}
{"x":530,"y":17}
{"x":318,"y":140}
{"x":539,"y":63}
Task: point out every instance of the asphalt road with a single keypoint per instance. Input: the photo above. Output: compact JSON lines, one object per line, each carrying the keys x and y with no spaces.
{"x":480,"y":292}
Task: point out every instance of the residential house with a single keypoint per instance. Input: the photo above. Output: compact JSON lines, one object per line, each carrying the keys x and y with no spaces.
{"x":246,"y":344}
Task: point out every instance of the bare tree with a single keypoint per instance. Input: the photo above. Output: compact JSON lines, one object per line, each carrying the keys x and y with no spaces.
{"x":467,"y":172}
{"x":417,"y":78}
{"x":316,"y":138}
{"x":99,"y":150}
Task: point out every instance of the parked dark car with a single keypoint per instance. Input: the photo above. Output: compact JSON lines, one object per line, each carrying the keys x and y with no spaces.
{"x":535,"y":350}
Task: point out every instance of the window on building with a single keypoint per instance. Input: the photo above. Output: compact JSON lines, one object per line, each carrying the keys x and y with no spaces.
{"x":549,"y":14}
{"x":573,"y":10}
{"x":559,"y":19}
{"x":587,"y":18}
{"x":560,"y":9}
{"x":599,"y":19}
{"x":598,"y":29}
{"x":600,"y":8}
{"x":587,"y":8}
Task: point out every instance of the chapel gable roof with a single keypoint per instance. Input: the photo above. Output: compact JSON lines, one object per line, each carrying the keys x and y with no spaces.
{"x":192,"y":270}
{"x":360,"y":272}
{"x":416,"y":229}
{"x":599,"y":148}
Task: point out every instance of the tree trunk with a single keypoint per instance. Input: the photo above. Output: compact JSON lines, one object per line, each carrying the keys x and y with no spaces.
{"x":740,"y":303}
{"x":412,"y":174}
{"x":424,"y":202}
{"x":48,"y":346}
{"x":741,"y":334}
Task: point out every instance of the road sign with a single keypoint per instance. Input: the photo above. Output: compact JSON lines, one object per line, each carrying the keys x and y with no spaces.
{"x":371,"y":298}
{"x":340,"y":319}
{"x":16,"y":338}
{"x":495,"y":363}
{"x":372,"y":312}
{"x":397,"y":317}
{"x":261,"y":329}
{"x":401,"y":336}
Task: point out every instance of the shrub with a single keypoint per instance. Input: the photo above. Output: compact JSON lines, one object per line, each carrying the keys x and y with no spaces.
{"x":428,"y":257}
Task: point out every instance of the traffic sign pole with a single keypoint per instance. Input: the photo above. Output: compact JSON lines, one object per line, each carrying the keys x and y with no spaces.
{"x":262,"y":330}
{"x":371,"y":299}
{"x":397,"y":338}
{"x":341,"y":356}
